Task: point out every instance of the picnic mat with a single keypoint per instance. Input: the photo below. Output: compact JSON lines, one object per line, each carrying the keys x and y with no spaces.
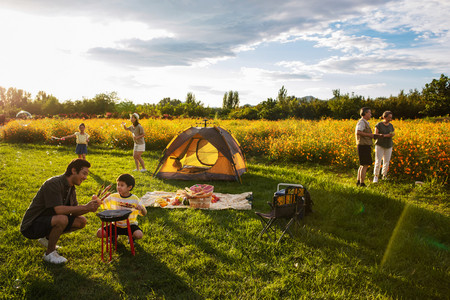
{"x":233,"y":201}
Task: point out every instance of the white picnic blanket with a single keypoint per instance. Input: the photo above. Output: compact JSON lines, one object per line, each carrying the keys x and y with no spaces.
{"x":233,"y":201}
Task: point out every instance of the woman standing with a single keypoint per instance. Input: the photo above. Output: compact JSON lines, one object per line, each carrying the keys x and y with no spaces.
{"x":139,"y":142}
{"x":383,"y":145}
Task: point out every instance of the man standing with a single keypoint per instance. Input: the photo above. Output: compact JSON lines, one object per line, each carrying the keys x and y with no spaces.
{"x":55,"y":209}
{"x":364,"y":138}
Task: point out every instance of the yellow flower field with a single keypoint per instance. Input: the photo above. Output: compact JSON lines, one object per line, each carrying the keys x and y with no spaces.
{"x":421,"y":148}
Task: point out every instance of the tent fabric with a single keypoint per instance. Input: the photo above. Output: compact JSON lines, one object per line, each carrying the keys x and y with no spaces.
{"x":202,"y":153}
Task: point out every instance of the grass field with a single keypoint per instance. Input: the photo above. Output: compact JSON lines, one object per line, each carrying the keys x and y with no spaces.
{"x":389,"y":241}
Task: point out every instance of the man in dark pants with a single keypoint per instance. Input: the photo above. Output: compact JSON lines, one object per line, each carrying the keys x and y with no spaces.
{"x":55,"y":209}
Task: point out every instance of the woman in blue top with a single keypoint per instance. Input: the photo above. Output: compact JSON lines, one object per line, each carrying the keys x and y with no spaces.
{"x":383,"y":145}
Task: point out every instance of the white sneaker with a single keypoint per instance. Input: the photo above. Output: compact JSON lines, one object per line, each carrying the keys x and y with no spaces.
{"x":375,"y":179}
{"x":135,"y":170}
{"x":44,"y":242}
{"x":54,"y":258}
{"x":144,"y":170}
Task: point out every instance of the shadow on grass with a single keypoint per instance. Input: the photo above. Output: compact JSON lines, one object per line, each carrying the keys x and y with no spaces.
{"x":397,"y":241}
{"x":144,"y":276}
{"x":76,"y":286}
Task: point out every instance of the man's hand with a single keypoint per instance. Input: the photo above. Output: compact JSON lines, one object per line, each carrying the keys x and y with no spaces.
{"x":93,"y":205}
{"x":96,"y":198}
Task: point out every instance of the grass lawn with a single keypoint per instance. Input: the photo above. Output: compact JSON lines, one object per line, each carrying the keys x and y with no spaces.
{"x":386,"y":241}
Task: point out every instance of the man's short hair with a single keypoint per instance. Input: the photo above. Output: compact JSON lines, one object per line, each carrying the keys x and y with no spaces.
{"x":363,"y":111}
{"x":128,"y":179}
{"x":78,"y":164}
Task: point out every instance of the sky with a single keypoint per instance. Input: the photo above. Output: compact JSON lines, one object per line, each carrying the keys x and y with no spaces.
{"x":150,"y":50}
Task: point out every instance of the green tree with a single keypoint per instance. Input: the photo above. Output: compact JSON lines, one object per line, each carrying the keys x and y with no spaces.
{"x":16,"y":98}
{"x":269,"y":110}
{"x":125,"y":108}
{"x":44,"y":104}
{"x":172,"y":107}
{"x":344,"y":106}
{"x":282,"y":97}
{"x":103,"y":103}
{"x":436,"y":95}
{"x":230,"y":100}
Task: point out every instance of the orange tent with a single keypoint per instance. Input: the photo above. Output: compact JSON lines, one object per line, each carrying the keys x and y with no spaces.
{"x":202,"y":153}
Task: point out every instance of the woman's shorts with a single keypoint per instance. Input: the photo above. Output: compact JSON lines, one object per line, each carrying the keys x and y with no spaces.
{"x":365,"y":155}
{"x":42,"y":226}
{"x":81,"y":149}
{"x":139,"y":147}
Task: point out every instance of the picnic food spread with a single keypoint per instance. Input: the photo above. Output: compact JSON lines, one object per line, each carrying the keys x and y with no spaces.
{"x":202,"y":193}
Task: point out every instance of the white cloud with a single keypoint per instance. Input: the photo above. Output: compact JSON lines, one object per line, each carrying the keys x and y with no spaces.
{"x":154,"y":49}
{"x":370,"y":86}
{"x":338,"y":40}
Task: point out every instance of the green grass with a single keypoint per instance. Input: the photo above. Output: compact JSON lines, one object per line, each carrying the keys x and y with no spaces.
{"x":387,"y":241}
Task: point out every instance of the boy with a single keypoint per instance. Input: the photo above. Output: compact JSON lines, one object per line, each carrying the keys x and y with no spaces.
{"x":123,"y":199}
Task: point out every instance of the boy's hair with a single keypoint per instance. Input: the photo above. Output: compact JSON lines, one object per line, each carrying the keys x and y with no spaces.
{"x":387,"y":113}
{"x":128,"y":179}
{"x":78,"y":164}
{"x":82,"y":124}
{"x":363,"y":111}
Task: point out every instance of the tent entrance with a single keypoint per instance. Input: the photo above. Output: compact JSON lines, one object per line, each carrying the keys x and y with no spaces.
{"x":200,"y":156}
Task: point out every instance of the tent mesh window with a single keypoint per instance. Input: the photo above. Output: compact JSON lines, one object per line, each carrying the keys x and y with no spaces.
{"x":200,"y":156}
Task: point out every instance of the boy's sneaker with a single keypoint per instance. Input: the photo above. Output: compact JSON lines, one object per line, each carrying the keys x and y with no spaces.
{"x":135,"y":170}
{"x":385,"y":178}
{"x":375,"y":179}
{"x":44,"y":242}
{"x":54,"y":258}
{"x":143,"y":170}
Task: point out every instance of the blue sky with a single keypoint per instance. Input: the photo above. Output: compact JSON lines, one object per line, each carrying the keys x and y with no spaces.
{"x":148,"y":50}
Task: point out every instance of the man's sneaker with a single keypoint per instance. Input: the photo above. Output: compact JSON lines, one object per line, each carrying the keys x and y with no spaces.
{"x":54,"y":258}
{"x":375,"y":179}
{"x":144,"y":170}
{"x":44,"y":242}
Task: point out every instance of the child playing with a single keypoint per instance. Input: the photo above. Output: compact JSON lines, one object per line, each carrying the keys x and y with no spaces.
{"x":123,"y":199}
{"x":82,"y":141}
{"x":139,"y":142}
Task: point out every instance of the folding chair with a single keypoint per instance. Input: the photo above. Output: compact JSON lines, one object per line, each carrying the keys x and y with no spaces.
{"x":287,"y":204}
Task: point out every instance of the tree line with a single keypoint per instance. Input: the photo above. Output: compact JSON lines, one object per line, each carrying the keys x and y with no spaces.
{"x":432,"y":101}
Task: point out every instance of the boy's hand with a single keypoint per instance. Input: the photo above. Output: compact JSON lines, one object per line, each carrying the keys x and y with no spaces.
{"x":142,"y":209}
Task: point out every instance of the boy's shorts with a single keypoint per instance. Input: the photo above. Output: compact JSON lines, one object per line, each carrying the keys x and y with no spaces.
{"x":81,"y":149}
{"x":42,"y":226}
{"x":122,"y":231}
